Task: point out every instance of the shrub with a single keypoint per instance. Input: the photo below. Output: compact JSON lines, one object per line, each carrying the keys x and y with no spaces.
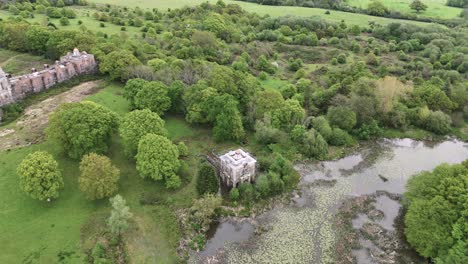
{"x":234,"y":194}
{"x":207,"y":180}
{"x":342,"y":117}
{"x":340,"y":137}
{"x":262,"y":185}
{"x":369,"y":130}
{"x":341,"y":58}
{"x":183,"y":150}
{"x":438,"y":122}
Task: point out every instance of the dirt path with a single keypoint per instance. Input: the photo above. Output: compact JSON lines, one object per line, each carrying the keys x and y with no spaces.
{"x":29,"y":129}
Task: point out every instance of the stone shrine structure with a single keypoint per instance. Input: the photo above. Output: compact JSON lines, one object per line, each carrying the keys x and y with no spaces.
{"x":13,"y":89}
{"x":236,"y":167}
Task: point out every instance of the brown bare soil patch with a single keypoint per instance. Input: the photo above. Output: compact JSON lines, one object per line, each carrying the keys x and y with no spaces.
{"x":29,"y":129}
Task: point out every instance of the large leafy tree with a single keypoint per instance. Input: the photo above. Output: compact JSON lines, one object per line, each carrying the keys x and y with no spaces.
{"x":120,"y":214}
{"x":137,"y":124}
{"x":82,"y":128}
{"x":40,"y":176}
{"x":131,"y":88}
{"x":98,"y":178}
{"x":116,"y":62}
{"x":437,"y":217}
{"x":207,"y":181}
{"x":228,"y":124}
{"x":158,"y":159}
{"x":153,"y":96}
{"x":288,"y":115}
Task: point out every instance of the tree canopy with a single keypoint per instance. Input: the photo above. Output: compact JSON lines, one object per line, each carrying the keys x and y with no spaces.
{"x":137,"y":124}
{"x":437,"y":217}
{"x":98,"y":177}
{"x":158,"y":159}
{"x":40,"y":176}
{"x":82,"y":128}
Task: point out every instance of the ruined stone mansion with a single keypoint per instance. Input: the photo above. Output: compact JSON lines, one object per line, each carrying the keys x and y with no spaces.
{"x":234,"y":167}
{"x":13,"y":89}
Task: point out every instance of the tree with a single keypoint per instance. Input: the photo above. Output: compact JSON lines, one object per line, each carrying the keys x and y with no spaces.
{"x":153,"y":96}
{"x":228,"y":124}
{"x":207,"y":180}
{"x":82,"y":128}
{"x":131,"y":88}
{"x":137,"y":124}
{"x":203,"y":209}
{"x":267,"y":101}
{"x":418,"y":5}
{"x":158,"y":159}
{"x":120,"y":214}
{"x":377,"y":8}
{"x":40,"y":176}
{"x":262,"y":185}
{"x":342,"y":117}
{"x":314,"y":145}
{"x":437,"y":210}
{"x":98,"y":178}
{"x":288,"y":115}
{"x":116,"y":62}
{"x":438,"y":122}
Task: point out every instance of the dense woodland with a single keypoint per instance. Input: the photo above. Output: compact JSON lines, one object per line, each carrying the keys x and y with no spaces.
{"x":339,"y":84}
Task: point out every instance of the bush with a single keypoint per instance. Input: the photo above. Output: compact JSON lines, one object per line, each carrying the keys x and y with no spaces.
{"x":342,"y":117}
{"x":370,"y":130}
{"x":247,"y":192}
{"x":183,"y":150}
{"x":341,"y":58}
{"x":262,"y":185}
{"x":340,"y":137}
{"x":234,"y":194}
{"x":207,"y":180}
{"x":438,"y":122}
{"x":321,"y":124}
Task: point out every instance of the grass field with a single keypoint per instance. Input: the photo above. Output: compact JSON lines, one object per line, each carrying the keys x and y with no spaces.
{"x":57,"y":232}
{"x":83,"y":14}
{"x":435,"y":8}
{"x":20,"y":63}
{"x":275,"y":11}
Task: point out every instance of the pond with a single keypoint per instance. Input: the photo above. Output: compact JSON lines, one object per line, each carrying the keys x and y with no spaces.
{"x":303,"y":232}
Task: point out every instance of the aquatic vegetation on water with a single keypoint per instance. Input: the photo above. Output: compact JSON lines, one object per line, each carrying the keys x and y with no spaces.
{"x":307,"y":234}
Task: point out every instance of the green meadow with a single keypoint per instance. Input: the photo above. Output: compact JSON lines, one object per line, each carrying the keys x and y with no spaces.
{"x":20,"y":63}
{"x":275,"y":11}
{"x":435,"y":8}
{"x":60,"y":231}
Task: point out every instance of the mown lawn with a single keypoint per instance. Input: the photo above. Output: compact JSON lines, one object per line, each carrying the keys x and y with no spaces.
{"x":435,"y":8}
{"x":275,"y":11}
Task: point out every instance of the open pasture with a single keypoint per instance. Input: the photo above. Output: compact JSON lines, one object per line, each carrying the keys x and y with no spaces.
{"x":275,"y":11}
